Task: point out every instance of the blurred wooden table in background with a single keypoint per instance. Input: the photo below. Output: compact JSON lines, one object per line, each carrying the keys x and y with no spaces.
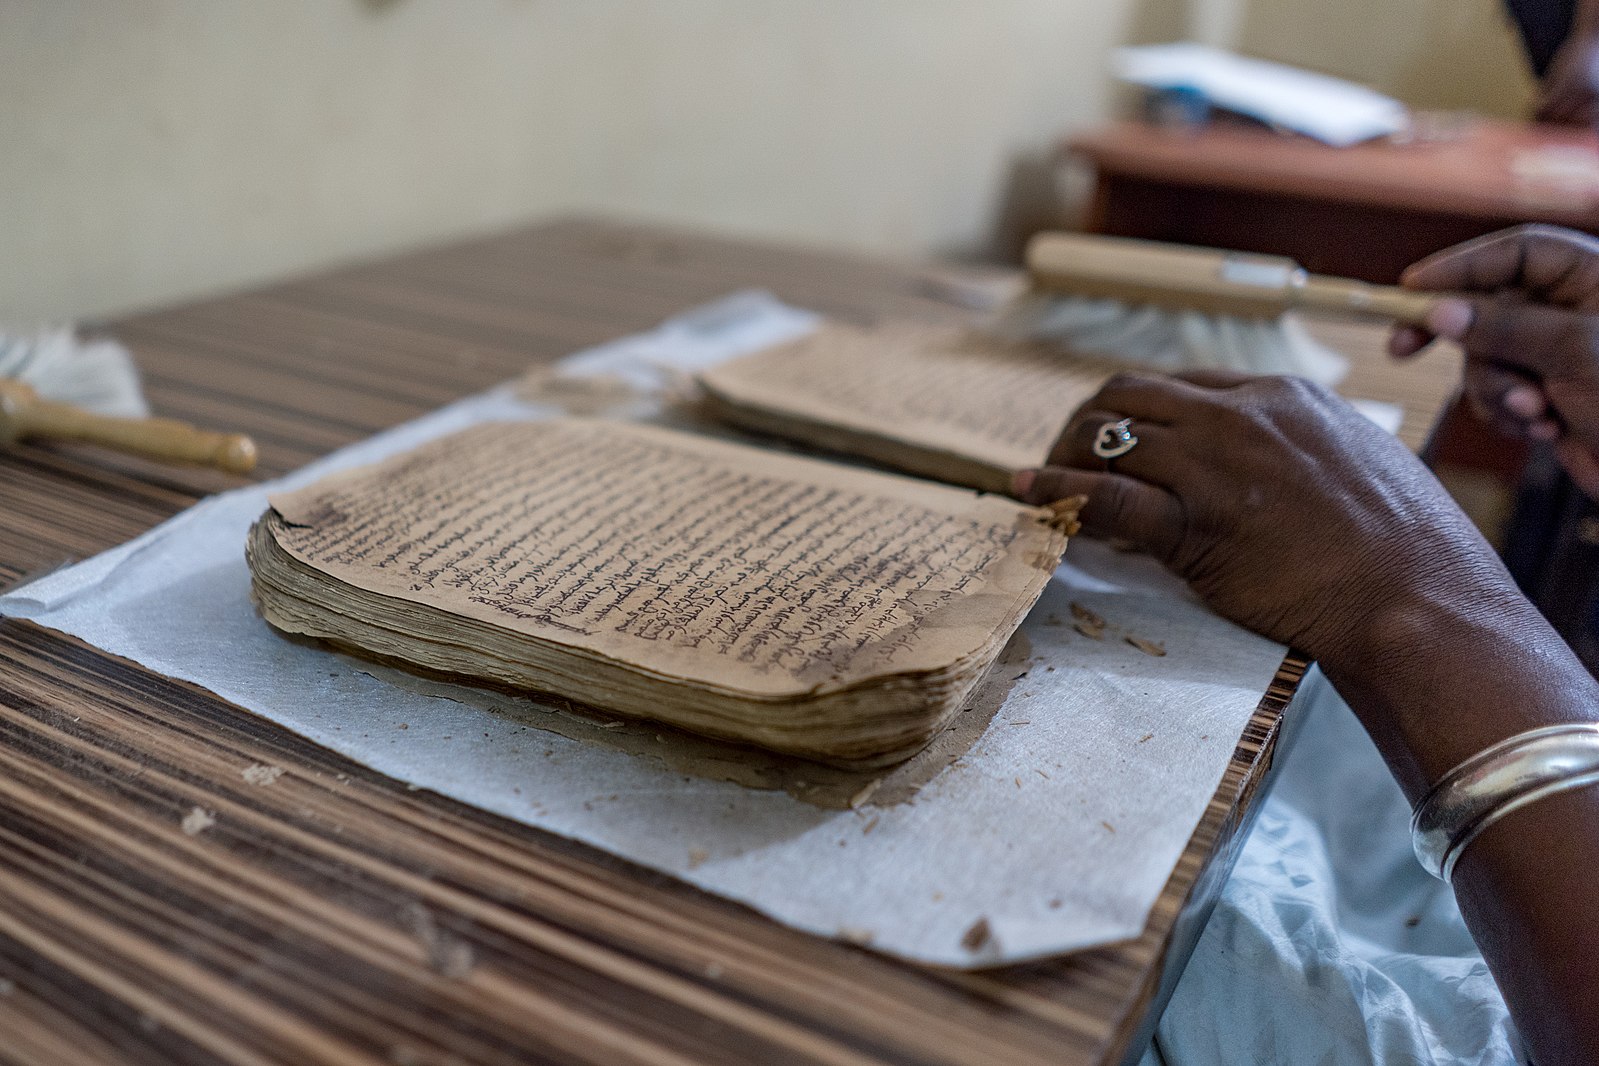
{"x":334,"y":916}
{"x":1366,"y":211}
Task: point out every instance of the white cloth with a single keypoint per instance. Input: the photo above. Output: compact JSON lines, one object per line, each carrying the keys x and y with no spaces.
{"x":1330,"y":944}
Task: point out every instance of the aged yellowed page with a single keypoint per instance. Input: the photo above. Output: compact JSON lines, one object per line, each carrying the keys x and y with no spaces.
{"x":939,"y":400}
{"x":685,"y":558}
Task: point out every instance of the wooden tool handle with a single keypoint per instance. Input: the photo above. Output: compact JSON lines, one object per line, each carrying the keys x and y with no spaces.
{"x":1206,"y":279}
{"x":1405,"y":306}
{"x":24,"y":414}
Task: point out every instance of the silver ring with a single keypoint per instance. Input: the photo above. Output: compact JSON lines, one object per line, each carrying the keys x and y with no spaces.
{"x":1115,"y":439}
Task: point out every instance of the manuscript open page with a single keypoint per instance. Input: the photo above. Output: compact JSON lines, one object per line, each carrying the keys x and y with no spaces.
{"x":937,"y":400}
{"x":686,"y":559}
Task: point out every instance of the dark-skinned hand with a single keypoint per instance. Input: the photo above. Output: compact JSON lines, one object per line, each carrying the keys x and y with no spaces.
{"x":1282,"y":506}
{"x":1529,"y":325}
{"x":1568,"y":91}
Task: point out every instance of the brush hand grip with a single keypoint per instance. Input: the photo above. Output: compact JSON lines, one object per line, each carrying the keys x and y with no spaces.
{"x":23,"y":414}
{"x":1356,"y":297}
{"x":1207,"y":280}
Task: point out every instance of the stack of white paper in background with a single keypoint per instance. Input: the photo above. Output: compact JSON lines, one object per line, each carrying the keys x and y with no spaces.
{"x":1329,"y":109}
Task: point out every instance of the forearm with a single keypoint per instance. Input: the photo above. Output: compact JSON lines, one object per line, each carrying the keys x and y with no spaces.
{"x":1438,"y":677}
{"x":1439,"y":681}
{"x":1526,"y":888}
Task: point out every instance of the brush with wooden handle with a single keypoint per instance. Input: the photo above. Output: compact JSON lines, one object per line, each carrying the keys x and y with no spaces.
{"x":1175,"y":306}
{"x":1207,"y":279}
{"x":24,"y":414}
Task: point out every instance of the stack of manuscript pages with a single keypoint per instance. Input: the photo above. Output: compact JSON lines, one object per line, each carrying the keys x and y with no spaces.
{"x":941,"y":401}
{"x":800,"y":605}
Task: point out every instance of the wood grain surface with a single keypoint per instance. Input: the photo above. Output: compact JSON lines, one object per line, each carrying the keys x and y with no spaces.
{"x":1366,"y":211}
{"x":330,"y":915}
{"x":1487,"y":168}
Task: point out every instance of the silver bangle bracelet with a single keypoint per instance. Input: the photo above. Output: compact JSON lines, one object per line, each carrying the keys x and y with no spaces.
{"x":1497,"y":780}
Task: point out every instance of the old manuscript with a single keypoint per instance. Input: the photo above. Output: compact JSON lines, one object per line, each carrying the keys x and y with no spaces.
{"x":934,"y":400}
{"x":799,"y":605}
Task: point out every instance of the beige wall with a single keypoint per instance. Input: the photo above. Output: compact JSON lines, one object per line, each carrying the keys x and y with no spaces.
{"x":1443,"y":54}
{"x":152,"y":150}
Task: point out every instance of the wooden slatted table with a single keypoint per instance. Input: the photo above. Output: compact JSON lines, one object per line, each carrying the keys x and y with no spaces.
{"x":333,"y":916}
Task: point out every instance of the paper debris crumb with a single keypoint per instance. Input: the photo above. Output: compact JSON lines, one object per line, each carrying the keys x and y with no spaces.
{"x":1055,"y":904}
{"x":197,"y":821}
{"x":1091,"y":632}
{"x":977,"y":936}
{"x":855,"y":935}
{"x":261,"y":774}
{"x":1148,"y":647}
{"x":1146,"y":736}
{"x":1089,"y":617}
{"x":1022,"y":721}
{"x":866,"y":792}
{"x":610,"y":725}
{"x":870,"y":825}
{"x":1108,"y":827}
{"x":1063,"y":514}
{"x":697,"y":857}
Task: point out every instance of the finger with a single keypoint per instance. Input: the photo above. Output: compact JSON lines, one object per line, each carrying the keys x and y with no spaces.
{"x":1406,"y":341}
{"x":1565,"y":98}
{"x":1152,"y":459}
{"x":1118,"y":507}
{"x":1575,"y":400}
{"x":1548,"y":263}
{"x":1214,"y":377}
{"x":1500,"y":395}
{"x":1525,"y":401}
{"x":1558,"y":103}
{"x":1544,"y":430}
{"x":1079,"y":434}
{"x":1155,"y":398}
{"x":1538,"y":339}
{"x":1450,"y":317}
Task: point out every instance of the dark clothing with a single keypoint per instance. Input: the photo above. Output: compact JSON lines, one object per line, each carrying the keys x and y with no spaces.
{"x":1552,"y":550}
{"x":1544,"y":25}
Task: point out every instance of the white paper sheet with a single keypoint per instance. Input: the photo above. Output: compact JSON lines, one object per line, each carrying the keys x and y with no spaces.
{"x":1057,"y":829}
{"x":1329,"y":109}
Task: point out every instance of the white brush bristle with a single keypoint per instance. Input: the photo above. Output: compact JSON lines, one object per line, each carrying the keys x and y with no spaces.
{"x":1170,"y":340}
{"x":96,"y":375}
